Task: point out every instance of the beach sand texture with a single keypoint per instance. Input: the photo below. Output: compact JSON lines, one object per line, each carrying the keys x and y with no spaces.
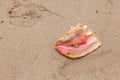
{"x":29,"y":29}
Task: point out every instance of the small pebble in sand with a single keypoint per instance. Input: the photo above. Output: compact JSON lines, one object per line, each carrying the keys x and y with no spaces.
{"x":9,"y":12}
{"x":96,"y":11}
{"x":1,"y":21}
{"x":42,"y":9}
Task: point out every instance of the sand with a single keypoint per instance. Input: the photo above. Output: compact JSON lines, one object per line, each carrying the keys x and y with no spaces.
{"x":29,"y":29}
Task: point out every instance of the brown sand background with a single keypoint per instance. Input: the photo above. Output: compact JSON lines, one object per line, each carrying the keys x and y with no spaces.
{"x":28,"y":32}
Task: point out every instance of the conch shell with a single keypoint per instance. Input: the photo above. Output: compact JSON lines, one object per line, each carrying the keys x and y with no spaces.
{"x":78,"y":42}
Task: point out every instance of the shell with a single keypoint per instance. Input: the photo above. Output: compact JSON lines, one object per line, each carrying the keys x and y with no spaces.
{"x":78,"y":42}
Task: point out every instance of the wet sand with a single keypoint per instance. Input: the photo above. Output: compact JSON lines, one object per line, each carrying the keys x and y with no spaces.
{"x":29,"y":29}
